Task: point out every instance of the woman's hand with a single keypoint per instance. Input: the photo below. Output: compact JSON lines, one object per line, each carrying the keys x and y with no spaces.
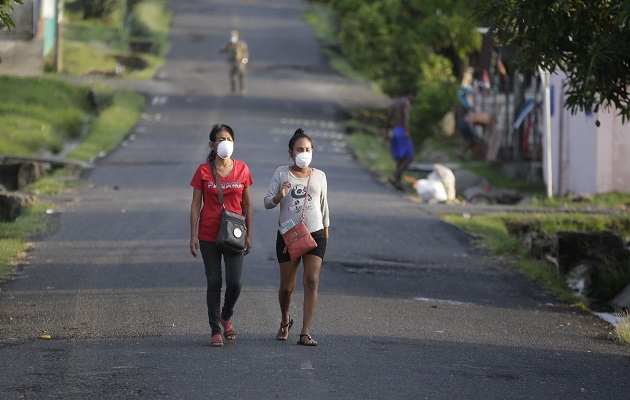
{"x":194,"y":246}
{"x":248,"y":245}
{"x":284,"y":189}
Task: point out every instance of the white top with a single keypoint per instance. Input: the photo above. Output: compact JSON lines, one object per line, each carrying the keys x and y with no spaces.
{"x":316,"y":215}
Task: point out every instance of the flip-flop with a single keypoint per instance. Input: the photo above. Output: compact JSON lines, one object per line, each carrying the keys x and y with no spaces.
{"x":216,"y":340}
{"x":311,"y":342}
{"x":283,"y":334}
{"x":228,"y":330}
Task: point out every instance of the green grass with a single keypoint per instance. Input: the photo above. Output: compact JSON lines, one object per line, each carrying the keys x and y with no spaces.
{"x":81,"y":58}
{"x":551,"y":222}
{"x":491,"y":233}
{"x":606,"y":200}
{"x":622,"y":331}
{"x":14,"y":235}
{"x":121,"y":108}
{"x":39,"y":114}
{"x":58,"y":181}
{"x":372,"y":153}
{"x":94,"y":46}
{"x":498,"y":180}
{"x":322,"y":20}
{"x":502,"y":234}
{"x":112,"y":124}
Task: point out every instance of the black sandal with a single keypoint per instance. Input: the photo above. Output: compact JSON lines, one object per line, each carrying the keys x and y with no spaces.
{"x":311,"y":342}
{"x":284,"y":330}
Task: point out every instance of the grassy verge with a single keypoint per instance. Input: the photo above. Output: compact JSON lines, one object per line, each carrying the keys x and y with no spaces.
{"x":623,"y":329}
{"x":21,"y":127}
{"x":14,"y":236}
{"x":495,"y":233}
{"x":492,"y":232}
{"x":39,"y":115}
{"x":123,"y":109}
{"x":493,"y":175}
{"x":101,"y":46}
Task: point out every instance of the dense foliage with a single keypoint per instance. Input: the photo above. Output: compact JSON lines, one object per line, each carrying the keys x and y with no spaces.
{"x":403,"y":44}
{"x":588,"y":40}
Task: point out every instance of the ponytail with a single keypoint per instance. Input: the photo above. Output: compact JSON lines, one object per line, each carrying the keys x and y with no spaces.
{"x":299,"y":134}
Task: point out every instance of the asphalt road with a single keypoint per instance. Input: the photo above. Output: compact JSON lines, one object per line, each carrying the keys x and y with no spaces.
{"x":409,"y":308}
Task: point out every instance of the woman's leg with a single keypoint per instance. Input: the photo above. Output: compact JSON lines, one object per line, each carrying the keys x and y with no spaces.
{"x":212,"y":262}
{"x":312,"y":266}
{"x":233,"y":283}
{"x":288,"y":276}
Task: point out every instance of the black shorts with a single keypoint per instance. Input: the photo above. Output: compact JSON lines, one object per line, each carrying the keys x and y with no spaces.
{"x":319,"y":251}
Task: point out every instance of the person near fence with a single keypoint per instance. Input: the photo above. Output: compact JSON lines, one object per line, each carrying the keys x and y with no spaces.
{"x":287,"y":189}
{"x":205,"y":218}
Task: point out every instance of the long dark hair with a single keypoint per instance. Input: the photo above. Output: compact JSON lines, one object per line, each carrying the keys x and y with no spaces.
{"x":299,"y":134}
{"x":216,"y":128}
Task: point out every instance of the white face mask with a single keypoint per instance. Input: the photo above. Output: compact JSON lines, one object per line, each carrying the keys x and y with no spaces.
{"x":303,"y":159}
{"x":225,"y":149}
{"x":234,"y":39}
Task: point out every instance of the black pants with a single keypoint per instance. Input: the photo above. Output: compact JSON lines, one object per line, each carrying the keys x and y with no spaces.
{"x":233,"y":282}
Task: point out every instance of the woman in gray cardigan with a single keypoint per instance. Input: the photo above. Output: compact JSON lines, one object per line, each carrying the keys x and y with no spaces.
{"x":287,"y":188}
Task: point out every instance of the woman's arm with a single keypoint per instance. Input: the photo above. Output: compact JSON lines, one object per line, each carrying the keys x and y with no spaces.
{"x":324,"y":203}
{"x":276,"y":191}
{"x":195,"y":208}
{"x":247,"y":211}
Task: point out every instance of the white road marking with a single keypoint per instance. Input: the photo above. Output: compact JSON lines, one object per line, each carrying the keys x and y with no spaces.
{"x":451,"y":302}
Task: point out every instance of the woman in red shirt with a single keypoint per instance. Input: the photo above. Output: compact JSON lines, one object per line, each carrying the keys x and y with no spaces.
{"x":235,"y":179}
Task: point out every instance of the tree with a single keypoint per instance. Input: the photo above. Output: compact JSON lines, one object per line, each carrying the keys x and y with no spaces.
{"x":6,"y":9}
{"x":406,"y":44}
{"x":585,"y":39}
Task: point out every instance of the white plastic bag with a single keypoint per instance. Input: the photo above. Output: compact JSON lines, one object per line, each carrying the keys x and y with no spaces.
{"x":445,"y":175}
{"x":430,"y":190}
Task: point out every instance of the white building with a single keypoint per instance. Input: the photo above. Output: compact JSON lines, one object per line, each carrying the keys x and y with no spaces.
{"x":585,"y":158}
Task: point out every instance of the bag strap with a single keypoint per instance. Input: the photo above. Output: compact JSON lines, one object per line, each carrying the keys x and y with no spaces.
{"x":306,"y":194}
{"x":213,"y":167}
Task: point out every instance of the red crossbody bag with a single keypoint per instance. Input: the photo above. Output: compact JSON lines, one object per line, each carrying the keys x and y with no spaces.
{"x":298,"y":240}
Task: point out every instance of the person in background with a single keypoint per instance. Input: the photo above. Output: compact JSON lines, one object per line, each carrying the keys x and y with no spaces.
{"x":401,"y":143}
{"x":237,"y":57}
{"x":205,"y":218}
{"x":287,"y":189}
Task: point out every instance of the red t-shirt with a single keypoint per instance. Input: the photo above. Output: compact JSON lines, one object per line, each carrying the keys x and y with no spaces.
{"x":232,"y":185}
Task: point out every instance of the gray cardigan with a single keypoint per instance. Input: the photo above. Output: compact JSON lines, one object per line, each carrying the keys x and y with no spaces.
{"x":316,"y":215}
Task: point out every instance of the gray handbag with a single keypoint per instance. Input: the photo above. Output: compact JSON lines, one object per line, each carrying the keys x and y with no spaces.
{"x":233,"y":231}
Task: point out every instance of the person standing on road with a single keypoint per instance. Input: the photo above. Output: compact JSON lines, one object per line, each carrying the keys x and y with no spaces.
{"x":237,"y":57}
{"x":287,"y":188}
{"x":401,"y":143}
{"x":205,"y":218}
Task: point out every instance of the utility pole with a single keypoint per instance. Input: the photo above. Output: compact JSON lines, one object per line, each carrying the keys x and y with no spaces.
{"x":58,"y":35}
{"x":545,"y":77}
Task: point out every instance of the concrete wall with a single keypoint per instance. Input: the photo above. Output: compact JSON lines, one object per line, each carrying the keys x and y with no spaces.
{"x":21,"y":49}
{"x":24,"y":17}
{"x":587,"y":158}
